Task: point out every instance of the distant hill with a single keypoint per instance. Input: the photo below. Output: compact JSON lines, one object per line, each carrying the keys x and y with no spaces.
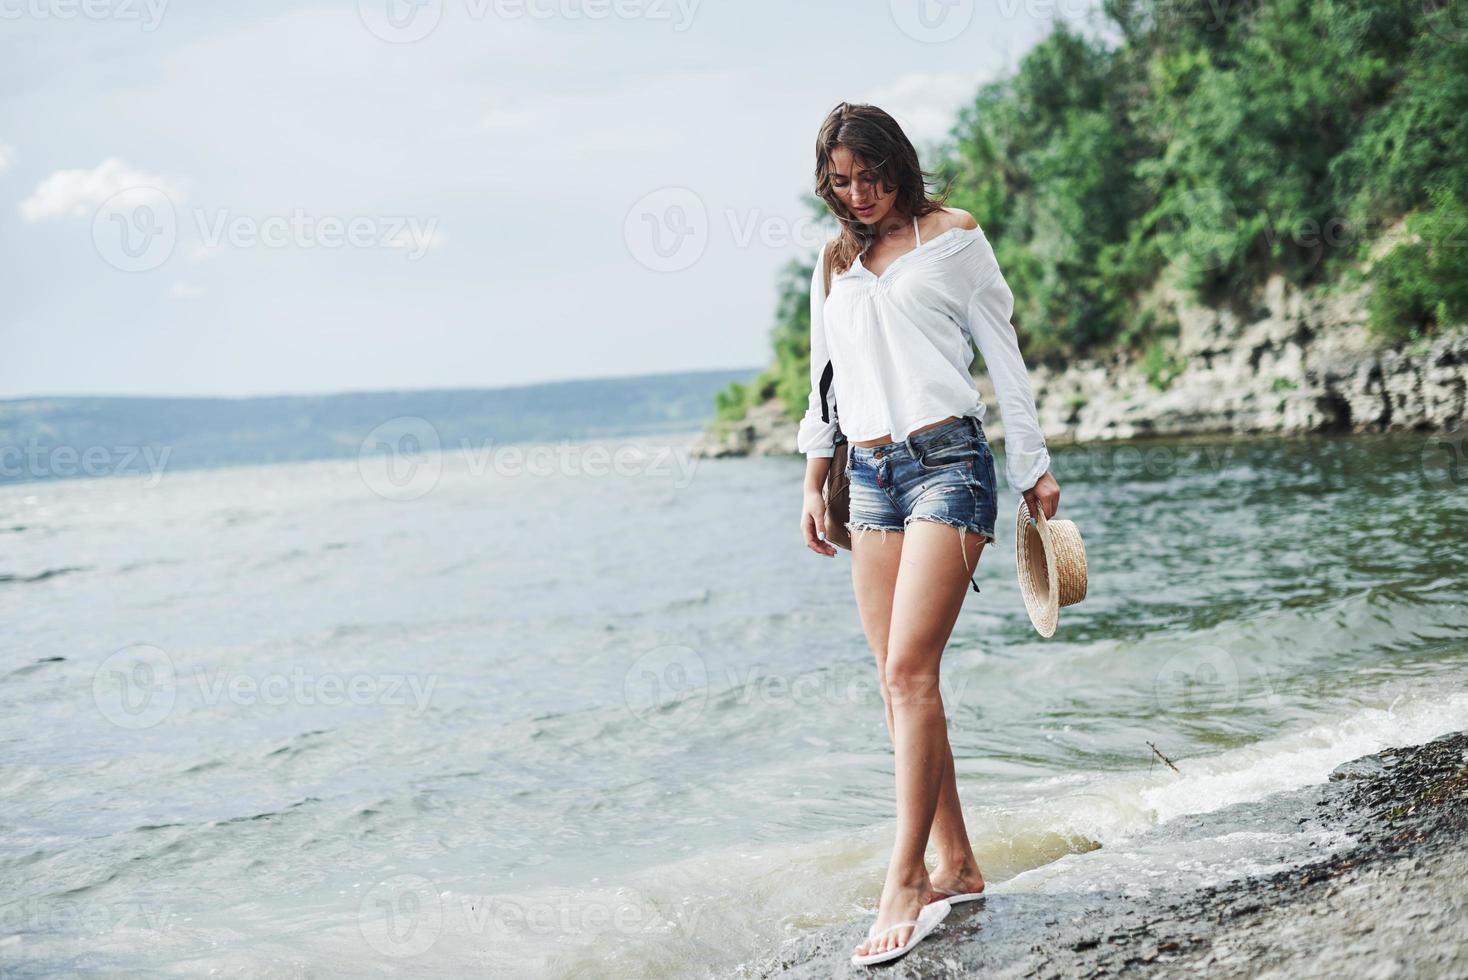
{"x":72,"y":436}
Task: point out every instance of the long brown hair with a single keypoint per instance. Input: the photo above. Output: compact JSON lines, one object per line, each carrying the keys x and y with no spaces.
{"x":878,"y":142}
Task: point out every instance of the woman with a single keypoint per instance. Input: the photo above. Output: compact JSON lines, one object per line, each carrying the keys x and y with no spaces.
{"x":912,"y":283}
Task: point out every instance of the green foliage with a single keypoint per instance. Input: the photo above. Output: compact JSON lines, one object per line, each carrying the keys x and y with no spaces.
{"x":1422,"y":284}
{"x":1161,"y":365}
{"x":1217,"y":144}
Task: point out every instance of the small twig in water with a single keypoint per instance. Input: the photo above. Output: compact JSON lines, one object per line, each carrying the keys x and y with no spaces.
{"x":1165,"y":759}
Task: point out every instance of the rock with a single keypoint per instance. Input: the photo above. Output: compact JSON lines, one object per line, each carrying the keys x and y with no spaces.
{"x":1297,"y":361}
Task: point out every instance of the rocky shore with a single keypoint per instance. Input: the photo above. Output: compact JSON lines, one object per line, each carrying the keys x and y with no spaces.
{"x":1372,"y":885}
{"x":1290,"y":362}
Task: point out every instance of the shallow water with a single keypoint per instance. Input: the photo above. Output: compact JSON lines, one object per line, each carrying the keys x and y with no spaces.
{"x":306,"y":720}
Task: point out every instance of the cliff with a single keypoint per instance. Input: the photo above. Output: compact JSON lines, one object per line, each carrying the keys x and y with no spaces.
{"x":1289,"y":361}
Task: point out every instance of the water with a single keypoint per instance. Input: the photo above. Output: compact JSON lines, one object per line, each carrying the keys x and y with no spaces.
{"x":280,"y":721}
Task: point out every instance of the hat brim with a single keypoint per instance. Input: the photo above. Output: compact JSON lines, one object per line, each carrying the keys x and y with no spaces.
{"x":1034,"y":559}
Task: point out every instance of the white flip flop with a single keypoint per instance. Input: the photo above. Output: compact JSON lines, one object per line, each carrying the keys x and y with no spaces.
{"x":928,"y":918}
{"x":953,"y":898}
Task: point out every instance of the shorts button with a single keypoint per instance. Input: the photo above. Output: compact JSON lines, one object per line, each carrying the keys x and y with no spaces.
{"x":877,"y":455}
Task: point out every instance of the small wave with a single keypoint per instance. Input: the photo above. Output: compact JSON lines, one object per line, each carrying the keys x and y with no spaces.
{"x":303,"y":742}
{"x":31,"y":668}
{"x":41,"y":576}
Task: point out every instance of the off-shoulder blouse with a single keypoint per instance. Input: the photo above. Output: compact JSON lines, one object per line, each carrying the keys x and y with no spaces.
{"x":892,"y":351}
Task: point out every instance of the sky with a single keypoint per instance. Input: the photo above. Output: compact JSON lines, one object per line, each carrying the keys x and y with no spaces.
{"x":208,"y":198}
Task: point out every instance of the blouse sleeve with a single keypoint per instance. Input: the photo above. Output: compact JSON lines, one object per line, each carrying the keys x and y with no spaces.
{"x":817,"y":433}
{"x":991,"y":307}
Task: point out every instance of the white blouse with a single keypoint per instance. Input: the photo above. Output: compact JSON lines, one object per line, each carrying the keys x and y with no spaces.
{"x":893,"y":350}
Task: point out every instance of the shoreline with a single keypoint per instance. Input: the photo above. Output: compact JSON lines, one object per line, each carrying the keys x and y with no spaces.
{"x":1302,"y":363}
{"x":1375,"y":861}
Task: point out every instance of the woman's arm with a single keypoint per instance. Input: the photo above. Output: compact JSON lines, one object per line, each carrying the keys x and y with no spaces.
{"x":1026,"y":457}
{"x":817,"y":434}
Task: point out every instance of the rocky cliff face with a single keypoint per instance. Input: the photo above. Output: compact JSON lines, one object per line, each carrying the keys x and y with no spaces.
{"x":1295,"y":362}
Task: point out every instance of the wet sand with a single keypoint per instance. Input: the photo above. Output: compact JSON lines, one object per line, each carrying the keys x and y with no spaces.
{"x":1372,"y":881}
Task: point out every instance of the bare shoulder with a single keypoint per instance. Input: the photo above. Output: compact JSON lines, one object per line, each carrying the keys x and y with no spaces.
{"x":947,"y":219}
{"x":959,"y":218}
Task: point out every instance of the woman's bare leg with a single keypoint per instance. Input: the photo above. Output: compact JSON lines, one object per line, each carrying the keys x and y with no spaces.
{"x":927,"y":594}
{"x":874,"y":578}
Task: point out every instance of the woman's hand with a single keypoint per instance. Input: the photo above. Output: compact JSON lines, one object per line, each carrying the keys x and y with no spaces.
{"x":813,"y":524}
{"x":1043,"y":497}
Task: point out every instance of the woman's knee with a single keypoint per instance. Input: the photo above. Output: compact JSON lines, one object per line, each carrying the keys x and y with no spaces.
{"x":910,"y":679}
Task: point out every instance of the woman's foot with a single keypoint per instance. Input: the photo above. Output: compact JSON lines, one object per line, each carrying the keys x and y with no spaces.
{"x":960,"y":879}
{"x":900,"y":903}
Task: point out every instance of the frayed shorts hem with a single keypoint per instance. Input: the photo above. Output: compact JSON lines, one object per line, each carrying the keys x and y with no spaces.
{"x":852,"y":527}
{"x":988,"y":534}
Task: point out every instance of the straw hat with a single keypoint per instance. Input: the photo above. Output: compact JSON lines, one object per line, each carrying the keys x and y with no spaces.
{"x":1051,"y":560}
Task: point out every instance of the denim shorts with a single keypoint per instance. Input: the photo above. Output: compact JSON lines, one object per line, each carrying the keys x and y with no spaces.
{"x":944,"y":474}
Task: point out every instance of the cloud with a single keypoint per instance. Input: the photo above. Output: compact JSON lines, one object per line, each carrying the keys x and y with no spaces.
{"x":7,"y":155}
{"x":78,"y":193}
